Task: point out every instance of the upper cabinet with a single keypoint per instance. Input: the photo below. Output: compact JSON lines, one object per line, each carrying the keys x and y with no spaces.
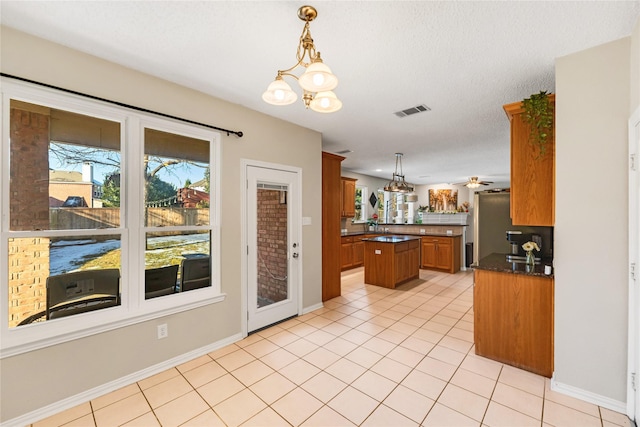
{"x":532,"y":173}
{"x":348,"y":197}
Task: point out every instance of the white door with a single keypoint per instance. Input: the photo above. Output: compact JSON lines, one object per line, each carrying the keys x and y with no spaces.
{"x":633,"y":396}
{"x":273,"y":245}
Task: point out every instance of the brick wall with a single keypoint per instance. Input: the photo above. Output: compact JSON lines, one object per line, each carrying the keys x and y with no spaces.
{"x":29,"y":210}
{"x":272,"y":246}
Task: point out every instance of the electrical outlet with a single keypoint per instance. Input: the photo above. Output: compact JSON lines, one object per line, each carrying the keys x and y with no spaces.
{"x":163,"y":331}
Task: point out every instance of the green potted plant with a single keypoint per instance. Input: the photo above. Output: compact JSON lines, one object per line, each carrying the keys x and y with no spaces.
{"x":538,"y":114}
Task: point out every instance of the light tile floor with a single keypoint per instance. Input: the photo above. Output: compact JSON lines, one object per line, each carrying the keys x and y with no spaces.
{"x":371,"y":357}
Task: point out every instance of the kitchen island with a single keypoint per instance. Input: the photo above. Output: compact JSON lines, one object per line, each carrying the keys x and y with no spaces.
{"x":513,"y":313}
{"x":391,"y":260}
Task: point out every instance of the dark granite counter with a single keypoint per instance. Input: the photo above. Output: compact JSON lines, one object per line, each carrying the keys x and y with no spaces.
{"x":498,"y":262}
{"x":393,"y":238}
{"x":395,"y":233}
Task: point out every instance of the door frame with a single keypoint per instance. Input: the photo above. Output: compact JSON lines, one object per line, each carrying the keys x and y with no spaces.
{"x":296,"y":211}
{"x":633,"y":357}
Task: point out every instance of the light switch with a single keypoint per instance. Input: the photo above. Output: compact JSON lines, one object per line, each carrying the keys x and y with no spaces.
{"x":306,"y":220}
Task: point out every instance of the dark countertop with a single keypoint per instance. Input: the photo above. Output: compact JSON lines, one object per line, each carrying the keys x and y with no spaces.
{"x":392,"y":238}
{"x":498,"y":262}
{"x":380,"y":233}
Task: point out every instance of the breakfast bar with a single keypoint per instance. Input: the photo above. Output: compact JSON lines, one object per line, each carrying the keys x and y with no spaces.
{"x":391,"y":260}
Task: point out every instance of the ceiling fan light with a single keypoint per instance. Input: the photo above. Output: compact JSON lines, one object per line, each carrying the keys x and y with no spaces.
{"x":279,"y":93}
{"x":325,"y":102}
{"x":318,"y":78}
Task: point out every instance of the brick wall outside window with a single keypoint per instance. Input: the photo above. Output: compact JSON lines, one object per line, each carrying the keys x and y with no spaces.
{"x":272,"y":246}
{"x":29,"y":210}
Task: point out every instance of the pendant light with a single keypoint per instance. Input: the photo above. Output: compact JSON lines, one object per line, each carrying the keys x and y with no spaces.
{"x":397,"y":183}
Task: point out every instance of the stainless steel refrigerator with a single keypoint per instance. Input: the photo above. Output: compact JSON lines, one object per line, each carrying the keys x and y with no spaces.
{"x":491,"y":221}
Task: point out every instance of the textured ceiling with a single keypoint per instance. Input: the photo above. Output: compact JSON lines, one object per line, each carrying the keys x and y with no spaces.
{"x":464,"y":60}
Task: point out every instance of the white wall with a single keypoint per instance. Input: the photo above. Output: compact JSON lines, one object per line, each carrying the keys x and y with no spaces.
{"x":38,"y":378}
{"x":592,"y":110}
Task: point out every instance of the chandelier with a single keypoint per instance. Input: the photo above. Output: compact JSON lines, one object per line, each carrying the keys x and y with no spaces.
{"x":397,"y":183}
{"x":317,"y":82}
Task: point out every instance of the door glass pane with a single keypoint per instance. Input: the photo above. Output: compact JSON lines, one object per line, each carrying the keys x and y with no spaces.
{"x":177,"y":262}
{"x":177,"y":180}
{"x":52,"y":277}
{"x":64,"y":169}
{"x":272,"y":232}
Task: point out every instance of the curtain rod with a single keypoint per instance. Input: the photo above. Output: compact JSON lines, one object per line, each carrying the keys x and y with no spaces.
{"x":121,"y":104}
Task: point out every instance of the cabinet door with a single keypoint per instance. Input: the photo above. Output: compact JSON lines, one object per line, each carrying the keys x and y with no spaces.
{"x":358,"y":253}
{"x":444,"y":254}
{"x":348,"y":197}
{"x":532,"y":173}
{"x":429,"y":253}
{"x":513,"y":319}
{"x":346,"y":252}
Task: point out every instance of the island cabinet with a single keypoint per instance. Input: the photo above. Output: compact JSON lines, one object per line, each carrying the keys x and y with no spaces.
{"x":532,"y":173}
{"x":391,"y":260}
{"x":348,"y":194}
{"x":513,"y":319}
{"x":441,"y":253}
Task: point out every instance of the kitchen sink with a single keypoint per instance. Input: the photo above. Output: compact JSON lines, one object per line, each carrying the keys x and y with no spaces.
{"x":520,"y":259}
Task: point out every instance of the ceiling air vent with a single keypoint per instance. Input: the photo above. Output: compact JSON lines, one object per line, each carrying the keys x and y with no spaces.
{"x":413,"y":110}
{"x":344,"y":152}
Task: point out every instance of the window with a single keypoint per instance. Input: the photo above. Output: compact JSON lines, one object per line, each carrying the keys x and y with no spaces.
{"x":361,"y":204}
{"x":112,"y":217}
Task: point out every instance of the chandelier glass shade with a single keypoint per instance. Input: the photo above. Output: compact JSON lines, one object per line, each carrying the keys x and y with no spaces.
{"x":317,"y":81}
{"x":325,"y":102}
{"x":397,"y":183}
{"x":279,"y":93}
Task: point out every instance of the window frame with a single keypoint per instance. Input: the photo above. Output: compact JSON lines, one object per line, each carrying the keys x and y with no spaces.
{"x":364,"y":201}
{"x":134,"y":308}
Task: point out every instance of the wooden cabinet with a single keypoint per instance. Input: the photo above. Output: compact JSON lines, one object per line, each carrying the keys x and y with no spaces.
{"x":532,"y":174}
{"x":391,"y":263}
{"x":346,"y":253}
{"x":358,"y":251}
{"x":331,"y":207}
{"x":513,"y":319}
{"x":348,"y":194}
{"x":441,"y":253}
{"x":352,"y":252}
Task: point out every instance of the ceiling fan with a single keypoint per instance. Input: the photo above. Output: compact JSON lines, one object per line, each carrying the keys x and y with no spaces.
{"x":474,"y":182}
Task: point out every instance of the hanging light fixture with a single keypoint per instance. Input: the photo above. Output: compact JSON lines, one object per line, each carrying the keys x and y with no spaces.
{"x":397,"y":183}
{"x":317,"y":82}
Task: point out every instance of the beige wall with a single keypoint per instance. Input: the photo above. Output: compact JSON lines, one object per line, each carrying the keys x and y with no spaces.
{"x":38,"y":378}
{"x":635,"y":68}
{"x":591,"y":232}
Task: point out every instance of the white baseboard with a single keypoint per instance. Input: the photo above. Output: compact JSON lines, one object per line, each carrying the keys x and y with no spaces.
{"x":312,"y":308}
{"x":103,"y":389}
{"x":587,"y":396}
